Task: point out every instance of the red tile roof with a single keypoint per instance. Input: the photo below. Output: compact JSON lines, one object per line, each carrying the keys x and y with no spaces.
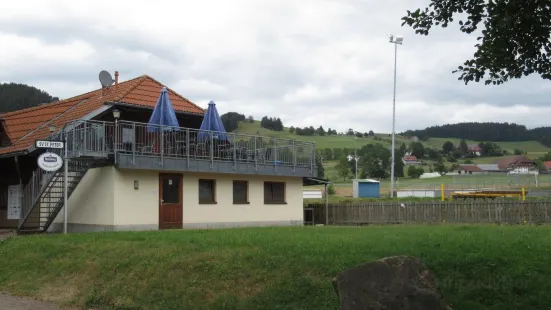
{"x":547,"y":164}
{"x":23,"y":127}
{"x":514,"y":161}
{"x":470,"y":168}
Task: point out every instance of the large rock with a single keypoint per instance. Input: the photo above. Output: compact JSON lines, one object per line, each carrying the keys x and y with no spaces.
{"x":398,"y":282}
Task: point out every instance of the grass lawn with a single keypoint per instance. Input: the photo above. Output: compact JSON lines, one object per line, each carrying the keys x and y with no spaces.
{"x":479,"y":267}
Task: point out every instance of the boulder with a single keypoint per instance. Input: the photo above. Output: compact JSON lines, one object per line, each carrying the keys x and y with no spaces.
{"x":398,"y":282}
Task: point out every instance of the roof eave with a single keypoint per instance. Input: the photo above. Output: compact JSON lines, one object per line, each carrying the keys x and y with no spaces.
{"x":136,"y":106}
{"x":7,"y":155}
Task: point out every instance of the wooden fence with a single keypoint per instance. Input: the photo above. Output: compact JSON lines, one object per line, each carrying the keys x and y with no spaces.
{"x":509,"y":212}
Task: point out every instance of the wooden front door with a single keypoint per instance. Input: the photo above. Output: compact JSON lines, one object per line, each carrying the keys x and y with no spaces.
{"x":170,"y":201}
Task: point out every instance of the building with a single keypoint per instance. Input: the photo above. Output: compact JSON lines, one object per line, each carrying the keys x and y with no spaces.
{"x":124,"y":174}
{"x":517,"y":163}
{"x":469,"y":169}
{"x":475,"y":149}
{"x":410,"y":160}
{"x":366,"y":188}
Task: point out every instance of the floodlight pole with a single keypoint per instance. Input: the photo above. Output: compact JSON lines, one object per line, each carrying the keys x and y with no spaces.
{"x":395,"y":40}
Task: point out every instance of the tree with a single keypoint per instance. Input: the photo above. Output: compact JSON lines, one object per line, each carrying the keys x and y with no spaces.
{"x":415,"y":172}
{"x":374,"y":161}
{"x":319,"y":165}
{"x":402,"y":150}
{"x":250,"y":119}
{"x":519,"y":152}
{"x":15,"y":96}
{"x":515,"y":40}
{"x":463,"y":147}
{"x":231,"y":120}
{"x":447,"y":147}
{"x":440,"y":167}
{"x":371,"y":133}
{"x":398,"y":166}
{"x":417,"y":149}
{"x":320,"y":131}
{"x":292,"y":129}
{"x":343,"y":169}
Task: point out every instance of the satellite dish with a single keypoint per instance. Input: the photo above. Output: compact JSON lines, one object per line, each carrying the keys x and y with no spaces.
{"x":105,"y":79}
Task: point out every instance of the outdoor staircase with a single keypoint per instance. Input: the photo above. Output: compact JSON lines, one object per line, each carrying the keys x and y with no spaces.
{"x":43,"y":196}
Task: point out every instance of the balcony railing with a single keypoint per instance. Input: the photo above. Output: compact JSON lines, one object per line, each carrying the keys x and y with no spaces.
{"x":92,"y":138}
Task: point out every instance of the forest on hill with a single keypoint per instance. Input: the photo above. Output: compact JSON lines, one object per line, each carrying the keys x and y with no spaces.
{"x":14,"y":96}
{"x":488,"y":131}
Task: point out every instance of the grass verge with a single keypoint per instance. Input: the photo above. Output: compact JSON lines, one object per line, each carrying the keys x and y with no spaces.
{"x":478,"y":267}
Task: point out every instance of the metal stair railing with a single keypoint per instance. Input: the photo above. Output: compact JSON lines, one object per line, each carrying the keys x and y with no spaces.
{"x":41,"y":189}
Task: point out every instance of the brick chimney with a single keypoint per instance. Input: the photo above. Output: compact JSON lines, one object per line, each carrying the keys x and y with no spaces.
{"x":116,"y":77}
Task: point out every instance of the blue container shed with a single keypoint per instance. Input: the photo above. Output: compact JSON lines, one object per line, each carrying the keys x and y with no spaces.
{"x":366,"y":188}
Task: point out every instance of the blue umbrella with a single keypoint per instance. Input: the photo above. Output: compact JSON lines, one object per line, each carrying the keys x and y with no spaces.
{"x":163,"y":115}
{"x":212,"y":122}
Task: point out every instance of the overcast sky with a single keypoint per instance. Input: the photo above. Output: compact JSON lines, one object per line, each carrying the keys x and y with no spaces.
{"x":310,"y":62}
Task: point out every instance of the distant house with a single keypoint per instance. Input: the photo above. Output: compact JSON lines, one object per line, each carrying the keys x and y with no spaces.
{"x":469,"y":169}
{"x":413,"y":138}
{"x":517,"y":164}
{"x":547,"y":165}
{"x":410,"y":160}
{"x":478,"y":169}
{"x":475,"y":149}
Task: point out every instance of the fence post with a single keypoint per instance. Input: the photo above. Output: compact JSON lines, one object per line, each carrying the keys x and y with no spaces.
{"x":255,"y":154}
{"x":326,"y":205}
{"x":133,"y":143}
{"x":442,"y":192}
{"x":523,"y":194}
{"x":188,"y":145}
{"x":211,"y":150}
{"x":234,"y":153}
{"x":294,"y":157}
{"x":162,"y":145}
{"x":274,"y":154}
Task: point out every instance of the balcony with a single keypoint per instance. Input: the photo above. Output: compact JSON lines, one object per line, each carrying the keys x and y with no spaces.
{"x":134,"y":145}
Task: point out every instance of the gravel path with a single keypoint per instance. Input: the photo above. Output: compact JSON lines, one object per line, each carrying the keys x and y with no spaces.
{"x":8,"y":302}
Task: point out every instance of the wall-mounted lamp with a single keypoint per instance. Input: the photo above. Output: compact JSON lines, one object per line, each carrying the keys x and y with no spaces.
{"x":51,"y":128}
{"x":136,"y":184}
{"x":116,"y":113}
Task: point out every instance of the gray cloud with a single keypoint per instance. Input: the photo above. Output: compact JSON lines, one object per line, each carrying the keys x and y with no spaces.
{"x":311,"y":63}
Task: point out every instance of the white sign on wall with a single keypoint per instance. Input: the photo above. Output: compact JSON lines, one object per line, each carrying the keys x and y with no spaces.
{"x":14,"y":202}
{"x":50,"y":161}
{"x":46,"y":144}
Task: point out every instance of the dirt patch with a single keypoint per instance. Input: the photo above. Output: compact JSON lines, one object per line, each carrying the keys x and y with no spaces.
{"x":6,"y":234}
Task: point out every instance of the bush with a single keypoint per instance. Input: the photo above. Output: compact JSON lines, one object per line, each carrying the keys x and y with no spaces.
{"x":415,"y":172}
{"x":331,"y":189}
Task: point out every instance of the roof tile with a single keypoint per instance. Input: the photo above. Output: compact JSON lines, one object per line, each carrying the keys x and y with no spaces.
{"x":23,"y":127}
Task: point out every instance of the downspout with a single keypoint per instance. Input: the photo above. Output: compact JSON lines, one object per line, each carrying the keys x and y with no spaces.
{"x":16,"y":158}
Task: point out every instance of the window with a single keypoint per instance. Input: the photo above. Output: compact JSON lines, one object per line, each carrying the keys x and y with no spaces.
{"x":206,"y":191}
{"x":240,"y":192}
{"x":127,"y":135}
{"x":274,"y":192}
{"x":171,"y":189}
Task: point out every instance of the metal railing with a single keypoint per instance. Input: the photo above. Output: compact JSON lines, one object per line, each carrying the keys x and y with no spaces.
{"x":86,"y":138}
{"x":32,"y":191}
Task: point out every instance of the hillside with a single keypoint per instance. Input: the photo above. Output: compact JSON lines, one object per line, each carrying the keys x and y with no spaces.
{"x":487,"y":131}
{"x":533,"y":148}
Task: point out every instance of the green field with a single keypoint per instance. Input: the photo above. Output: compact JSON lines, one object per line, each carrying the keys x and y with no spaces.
{"x":533,"y":148}
{"x":478,"y":267}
